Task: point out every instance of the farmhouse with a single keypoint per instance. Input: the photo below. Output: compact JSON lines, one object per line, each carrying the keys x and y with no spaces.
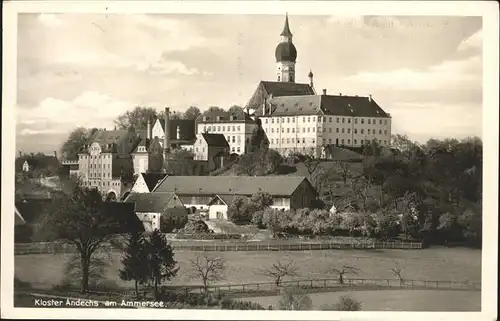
{"x":215,"y":193}
{"x":211,"y":148}
{"x":154,"y":208}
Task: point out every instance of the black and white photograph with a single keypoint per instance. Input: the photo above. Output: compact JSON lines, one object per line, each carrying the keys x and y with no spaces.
{"x":292,"y":160}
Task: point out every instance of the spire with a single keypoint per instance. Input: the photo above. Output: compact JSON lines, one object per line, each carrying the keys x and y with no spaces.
{"x":286,"y":29}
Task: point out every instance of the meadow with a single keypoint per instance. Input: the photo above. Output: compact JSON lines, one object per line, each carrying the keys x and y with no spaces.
{"x":395,"y":300}
{"x":437,"y":263}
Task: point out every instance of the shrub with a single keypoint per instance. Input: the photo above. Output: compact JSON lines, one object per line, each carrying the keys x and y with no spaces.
{"x":293,"y":298}
{"x":346,"y":303}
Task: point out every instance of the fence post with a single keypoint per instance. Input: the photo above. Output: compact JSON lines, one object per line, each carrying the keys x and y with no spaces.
{"x":311,"y":284}
{"x":203,"y":247}
{"x":325,"y":283}
{"x":268,"y":246}
{"x":258,"y":247}
{"x":437,"y":284}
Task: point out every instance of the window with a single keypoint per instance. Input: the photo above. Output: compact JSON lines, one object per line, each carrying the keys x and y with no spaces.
{"x":293,"y":120}
{"x":348,"y":120}
{"x":362,"y":131}
{"x":380,"y":121}
{"x":282,"y":129}
{"x":355,"y":130}
{"x":293,"y":130}
{"x":272,"y":140}
{"x":324,"y":141}
{"x":232,"y":149}
{"x":380,"y":131}
{"x":288,"y":130}
{"x":293,"y":140}
{"x":303,"y":119}
{"x":218,"y":128}
{"x":308,"y":119}
{"x":368,"y":129}
{"x":314,"y":129}
{"x":288,"y":120}
{"x":330,"y":140}
{"x":303,"y":140}
{"x":348,"y":130}
{"x":348,"y":141}
{"x":385,"y":132}
{"x":288,"y":140}
{"x":282,"y":140}
{"x":342,"y":142}
{"x":238,"y":149}
{"x":272,"y":120}
{"x":314,"y":142}
{"x":329,"y":130}
{"x":319,"y":129}
{"x":265,"y":121}
{"x":239,"y":127}
{"x":369,"y":121}
{"x":279,"y":78}
{"x":355,"y":141}
{"x":355,"y":120}
{"x":343,"y":120}
{"x":303,"y":129}
{"x":272,"y":130}
{"x":338,"y":120}
{"x":234,"y":128}
{"x":342,"y":130}
{"x":234,"y":139}
{"x":362,"y":121}
{"x":337,"y":130}
{"x":313,"y":119}
{"x":330,"y":119}
{"x":308,"y":129}
{"x":385,"y":142}
{"x":385,"y":121}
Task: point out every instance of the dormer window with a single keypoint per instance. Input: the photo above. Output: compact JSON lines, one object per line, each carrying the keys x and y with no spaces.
{"x":218,"y":118}
{"x":204,"y":118}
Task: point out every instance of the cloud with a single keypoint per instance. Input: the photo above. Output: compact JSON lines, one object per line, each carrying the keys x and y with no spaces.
{"x":473,"y":42}
{"x":449,"y":74}
{"x":168,"y":67}
{"x":90,"y":109}
{"x":50,"y":20}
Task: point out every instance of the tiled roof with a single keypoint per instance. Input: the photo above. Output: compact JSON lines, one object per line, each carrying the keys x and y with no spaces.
{"x":143,"y":142}
{"x":150,"y":202}
{"x":228,"y":199}
{"x":123,"y":217}
{"x":324,"y":104}
{"x":152,"y":179}
{"x":277,"y":89}
{"x":227,"y":185}
{"x":121,"y":165}
{"x":112,"y":141}
{"x":187,"y":129}
{"x":37,"y":162}
{"x":215,"y":140}
{"x":224,"y":116}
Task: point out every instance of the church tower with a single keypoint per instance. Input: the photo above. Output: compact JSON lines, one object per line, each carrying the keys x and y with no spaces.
{"x":285,"y":54}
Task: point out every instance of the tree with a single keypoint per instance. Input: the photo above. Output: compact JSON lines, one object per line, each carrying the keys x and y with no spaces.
{"x":136,"y":118}
{"x":79,"y":219}
{"x":397,"y":270}
{"x":343,"y":270}
{"x":246,"y":165}
{"x":272,"y":219}
{"x":294,"y":298}
{"x":160,"y":260}
{"x":238,"y":211}
{"x":386,"y":224}
{"x":73,"y":143}
{"x":402,"y":143}
{"x":279,"y":270}
{"x":235,"y":109}
{"x":343,"y":168}
{"x":448,"y":225}
{"x":134,"y":261}
{"x":97,"y":269}
{"x":471,"y":224}
{"x":260,"y":201}
{"x":192,"y":113}
{"x":346,"y":303}
{"x":208,"y":269}
{"x":213,"y":109}
{"x":181,"y":162}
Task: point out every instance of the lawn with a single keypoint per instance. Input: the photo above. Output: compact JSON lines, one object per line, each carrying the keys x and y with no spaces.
{"x":457,"y":264}
{"x":395,"y":300}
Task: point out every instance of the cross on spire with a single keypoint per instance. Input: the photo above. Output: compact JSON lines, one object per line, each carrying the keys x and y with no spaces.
{"x":286,"y":29}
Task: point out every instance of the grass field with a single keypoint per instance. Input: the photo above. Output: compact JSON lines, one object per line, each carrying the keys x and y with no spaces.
{"x":456,"y":264}
{"x":395,"y":300}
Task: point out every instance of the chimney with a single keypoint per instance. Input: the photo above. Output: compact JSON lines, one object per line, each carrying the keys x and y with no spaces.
{"x":340,"y":94}
{"x":178,"y":132}
{"x":324,"y":91}
{"x":370,"y":97}
{"x":148,"y":133}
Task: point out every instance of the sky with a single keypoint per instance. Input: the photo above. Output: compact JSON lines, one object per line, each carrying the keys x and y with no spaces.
{"x":86,"y":69}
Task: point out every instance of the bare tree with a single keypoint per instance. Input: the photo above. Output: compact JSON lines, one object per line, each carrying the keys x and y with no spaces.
{"x":345,"y":269}
{"x":397,"y":270}
{"x":207,"y":268}
{"x":344,"y":169}
{"x":279,"y":270}
{"x":361,"y":188}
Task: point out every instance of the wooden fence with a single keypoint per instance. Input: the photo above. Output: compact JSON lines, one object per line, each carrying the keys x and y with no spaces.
{"x":47,"y":248}
{"x":332,"y":284}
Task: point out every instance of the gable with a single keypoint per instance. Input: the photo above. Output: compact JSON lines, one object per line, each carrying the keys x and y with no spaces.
{"x":140,"y":185}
